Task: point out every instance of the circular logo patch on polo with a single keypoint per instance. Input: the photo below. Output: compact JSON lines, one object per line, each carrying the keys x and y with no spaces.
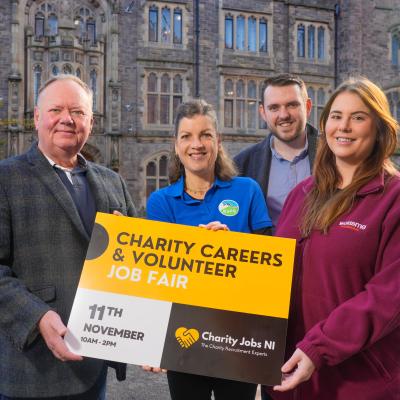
{"x":229,"y":208}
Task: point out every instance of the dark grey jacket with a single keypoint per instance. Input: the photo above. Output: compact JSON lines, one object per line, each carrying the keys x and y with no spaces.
{"x":43,"y":245}
{"x":255,"y":161}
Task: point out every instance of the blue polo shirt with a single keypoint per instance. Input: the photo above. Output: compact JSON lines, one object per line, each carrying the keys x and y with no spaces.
{"x":238,"y":203}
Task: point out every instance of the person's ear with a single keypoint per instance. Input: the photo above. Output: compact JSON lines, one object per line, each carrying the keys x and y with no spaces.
{"x":261,"y":110}
{"x":91,"y":123}
{"x":175,"y":145}
{"x":308,"y":106}
{"x":36,"y":113}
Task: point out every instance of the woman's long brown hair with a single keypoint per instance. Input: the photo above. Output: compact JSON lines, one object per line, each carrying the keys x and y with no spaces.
{"x":324,"y":203}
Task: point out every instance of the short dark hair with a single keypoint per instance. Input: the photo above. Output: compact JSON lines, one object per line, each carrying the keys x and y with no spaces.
{"x":284,"y":80}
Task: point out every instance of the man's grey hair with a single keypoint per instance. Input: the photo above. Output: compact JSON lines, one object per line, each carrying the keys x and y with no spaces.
{"x":65,"y":77}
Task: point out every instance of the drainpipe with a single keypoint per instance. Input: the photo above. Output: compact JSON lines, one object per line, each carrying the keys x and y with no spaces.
{"x":197,"y":49}
{"x":337,"y":15}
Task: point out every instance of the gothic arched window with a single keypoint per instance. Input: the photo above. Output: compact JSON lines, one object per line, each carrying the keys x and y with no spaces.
{"x":44,"y":47}
{"x":178,"y":84}
{"x":313,"y":113}
{"x":311,"y":41}
{"x":263,"y":35}
{"x":301,"y":41}
{"x":52,"y":25}
{"x":178,"y":26}
{"x":252,"y":34}
{"x":321,"y":43}
{"x":67,"y":69}
{"x":240,"y":104}
{"x":91,"y":31}
{"x":245,"y":32}
{"x":229,"y":32}
{"x":165,"y":99}
{"x":228,"y":103}
{"x":153,"y":24}
{"x":240,"y":33}
{"x":317,"y":94}
{"x":85,"y":25}
{"x":54,"y":70}
{"x":156,"y":174}
{"x":93,"y":86}
{"x":177,"y":94}
{"x":152,"y":109}
{"x":320,"y":103}
{"x":46,"y":21}
{"x":164,"y":94}
{"x":39,"y":25}
{"x":165,"y":25}
{"x":37,"y":82}
{"x":252,"y":104}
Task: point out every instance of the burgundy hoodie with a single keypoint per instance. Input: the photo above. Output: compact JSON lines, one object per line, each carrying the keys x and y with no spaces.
{"x":345,"y":310}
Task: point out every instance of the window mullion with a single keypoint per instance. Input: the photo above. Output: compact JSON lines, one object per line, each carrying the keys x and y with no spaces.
{"x":172,"y":26}
{"x":246,"y":33}
{"x":246,"y":105}
{"x":159,"y":24}
{"x":257,"y":34}
{"x":234,"y":24}
{"x":157,"y":173}
{"x":158,"y":116}
{"x":171,"y":100}
{"x":234,"y":105}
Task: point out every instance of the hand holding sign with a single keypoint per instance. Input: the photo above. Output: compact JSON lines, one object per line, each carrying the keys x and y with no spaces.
{"x":297,"y":369}
{"x":215,"y":226}
{"x":53,"y":331}
{"x":141,"y":299}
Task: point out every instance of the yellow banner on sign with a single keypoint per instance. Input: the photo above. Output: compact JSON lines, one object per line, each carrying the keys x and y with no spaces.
{"x":190,"y":265}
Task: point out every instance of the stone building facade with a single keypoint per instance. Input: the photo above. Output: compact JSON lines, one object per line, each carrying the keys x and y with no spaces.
{"x":143,"y":57}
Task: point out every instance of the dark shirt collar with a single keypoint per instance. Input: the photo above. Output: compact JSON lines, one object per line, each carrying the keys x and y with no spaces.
{"x":82,"y":164}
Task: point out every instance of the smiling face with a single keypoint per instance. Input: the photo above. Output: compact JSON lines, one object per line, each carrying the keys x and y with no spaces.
{"x":197,"y":144}
{"x":285,"y":110}
{"x":63,"y":119}
{"x":350,"y":130}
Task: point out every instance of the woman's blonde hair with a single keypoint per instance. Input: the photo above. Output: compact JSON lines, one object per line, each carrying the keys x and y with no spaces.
{"x":324,"y":203}
{"x":224,"y":166}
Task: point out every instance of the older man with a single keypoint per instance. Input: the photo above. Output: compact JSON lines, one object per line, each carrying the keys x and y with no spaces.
{"x":285,"y":157}
{"x":48,"y":201}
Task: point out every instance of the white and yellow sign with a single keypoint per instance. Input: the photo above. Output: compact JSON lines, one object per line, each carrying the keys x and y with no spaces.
{"x":184,"y":298}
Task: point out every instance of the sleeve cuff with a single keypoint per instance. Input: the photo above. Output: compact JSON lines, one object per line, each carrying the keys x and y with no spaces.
{"x":311,"y":352}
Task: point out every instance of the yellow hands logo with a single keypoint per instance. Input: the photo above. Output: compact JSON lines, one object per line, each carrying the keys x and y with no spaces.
{"x":186,"y":337}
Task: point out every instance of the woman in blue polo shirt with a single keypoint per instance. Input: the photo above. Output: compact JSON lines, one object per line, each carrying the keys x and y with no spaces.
{"x":206,"y":192}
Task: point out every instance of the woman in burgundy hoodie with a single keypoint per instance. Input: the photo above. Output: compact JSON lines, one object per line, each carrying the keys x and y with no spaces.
{"x":345,"y":310}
